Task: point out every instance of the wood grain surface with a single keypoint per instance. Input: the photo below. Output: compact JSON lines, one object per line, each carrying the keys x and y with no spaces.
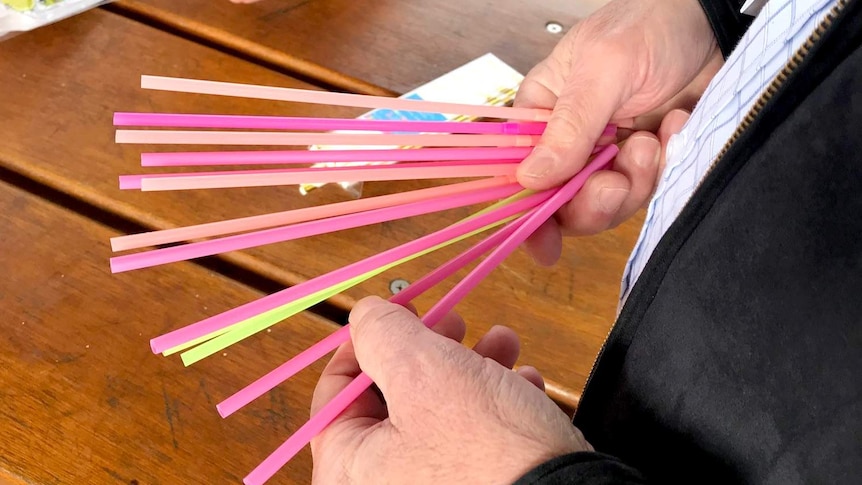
{"x":84,"y":399}
{"x":394,"y":44}
{"x":71,"y":88}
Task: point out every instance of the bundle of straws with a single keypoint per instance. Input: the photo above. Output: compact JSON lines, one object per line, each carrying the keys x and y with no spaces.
{"x":486,"y":150}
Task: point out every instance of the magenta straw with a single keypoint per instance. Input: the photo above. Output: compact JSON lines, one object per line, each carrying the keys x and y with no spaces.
{"x":306,"y":229}
{"x":349,"y":394}
{"x":218,"y":322}
{"x":293,"y":176}
{"x":188,"y":159}
{"x":178,"y":120}
{"x":342,"y":335}
{"x":170,"y":137}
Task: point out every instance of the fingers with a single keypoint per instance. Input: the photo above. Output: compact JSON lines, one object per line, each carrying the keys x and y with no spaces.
{"x":395,"y":348}
{"x":575,"y":126}
{"x":339,"y":372}
{"x":343,"y":368}
{"x":451,"y":326}
{"x":638,"y":161}
{"x":593,"y":209}
{"x":500,"y":344}
{"x":583,"y":96}
{"x":532,"y":375}
{"x":541,"y":85}
{"x":606,"y":200}
{"x":545,"y":245}
{"x":611,"y":196}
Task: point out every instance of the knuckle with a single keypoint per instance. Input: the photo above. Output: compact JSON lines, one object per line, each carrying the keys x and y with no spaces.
{"x":569,"y":122}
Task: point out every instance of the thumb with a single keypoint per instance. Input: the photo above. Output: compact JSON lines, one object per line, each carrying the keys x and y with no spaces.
{"x":396,"y":349}
{"x":592,"y":92}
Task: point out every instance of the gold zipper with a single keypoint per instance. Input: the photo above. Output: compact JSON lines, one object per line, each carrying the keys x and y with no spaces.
{"x":752,"y":114}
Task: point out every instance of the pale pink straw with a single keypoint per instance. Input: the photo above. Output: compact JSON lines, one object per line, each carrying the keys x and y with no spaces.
{"x":179,"y":120}
{"x":238,"y":242}
{"x":218,"y":322}
{"x":171,"y":137}
{"x":290,"y":176}
{"x":243,"y":224}
{"x":352,"y":391}
{"x":180,"y":159}
{"x":338,"y":99}
{"x":340,"y":336}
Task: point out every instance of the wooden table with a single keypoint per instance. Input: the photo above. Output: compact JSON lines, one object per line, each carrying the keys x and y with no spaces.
{"x":67,"y":79}
{"x":371,"y":46}
{"x":84,"y":399}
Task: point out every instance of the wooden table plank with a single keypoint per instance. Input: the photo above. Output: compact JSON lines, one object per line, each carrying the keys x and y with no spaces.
{"x":58,"y":133}
{"x":84,"y":399}
{"x":394,"y":44}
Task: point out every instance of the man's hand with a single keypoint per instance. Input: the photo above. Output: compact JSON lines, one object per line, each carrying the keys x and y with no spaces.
{"x":443,"y":414}
{"x":629,"y":63}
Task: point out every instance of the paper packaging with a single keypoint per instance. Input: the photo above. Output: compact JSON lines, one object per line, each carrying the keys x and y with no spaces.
{"x":486,"y":80}
{"x":18,"y":16}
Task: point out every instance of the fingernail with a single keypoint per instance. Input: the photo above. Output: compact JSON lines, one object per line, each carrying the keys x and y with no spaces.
{"x":674,"y":146}
{"x":649,"y":153}
{"x":539,"y":164}
{"x":611,"y":199}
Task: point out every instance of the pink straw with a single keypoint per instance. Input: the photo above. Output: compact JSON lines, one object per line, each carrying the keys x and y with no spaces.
{"x":349,"y":394}
{"x":178,"y":120}
{"x":179,"y":159}
{"x":170,"y":137}
{"x":340,"y":336}
{"x":306,"y":229}
{"x":218,"y":322}
{"x":338,"y":99}
{"x":271,"y":177}
{"x":243,"y":224}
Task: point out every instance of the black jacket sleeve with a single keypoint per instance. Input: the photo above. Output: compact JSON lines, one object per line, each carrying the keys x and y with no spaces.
{"x":727,"y":23}
{"x":582,"y":468}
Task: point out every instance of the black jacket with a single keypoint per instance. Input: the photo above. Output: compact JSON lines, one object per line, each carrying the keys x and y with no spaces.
{"x":737,"y":357}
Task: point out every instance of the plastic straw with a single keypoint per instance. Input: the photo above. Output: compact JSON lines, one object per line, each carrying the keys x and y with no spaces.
{"x":228,"y":178}
{"x":337,"y":99}
{"x":267,"y":178}
{"x":188,"y":159}
{"x":301,"y":301}
{"x":283,"y":372}
{"x":240,"y":330}
{"x":277,"y":314}
{"x":340,"y":336}
{"x":348,"y":395}
{"x":263,"y":320}
{"x":260,"y":322}
{"x":258,"y":138}
{"x":225,"y":319}
{"x":308,"y":431}
{"x":306,"y":229}
{"x":179,"y":120}
{"x":232,"y":226}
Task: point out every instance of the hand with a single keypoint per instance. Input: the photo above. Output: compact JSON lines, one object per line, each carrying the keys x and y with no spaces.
{"x":447,"y":414}
{"x":629,"y":63}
